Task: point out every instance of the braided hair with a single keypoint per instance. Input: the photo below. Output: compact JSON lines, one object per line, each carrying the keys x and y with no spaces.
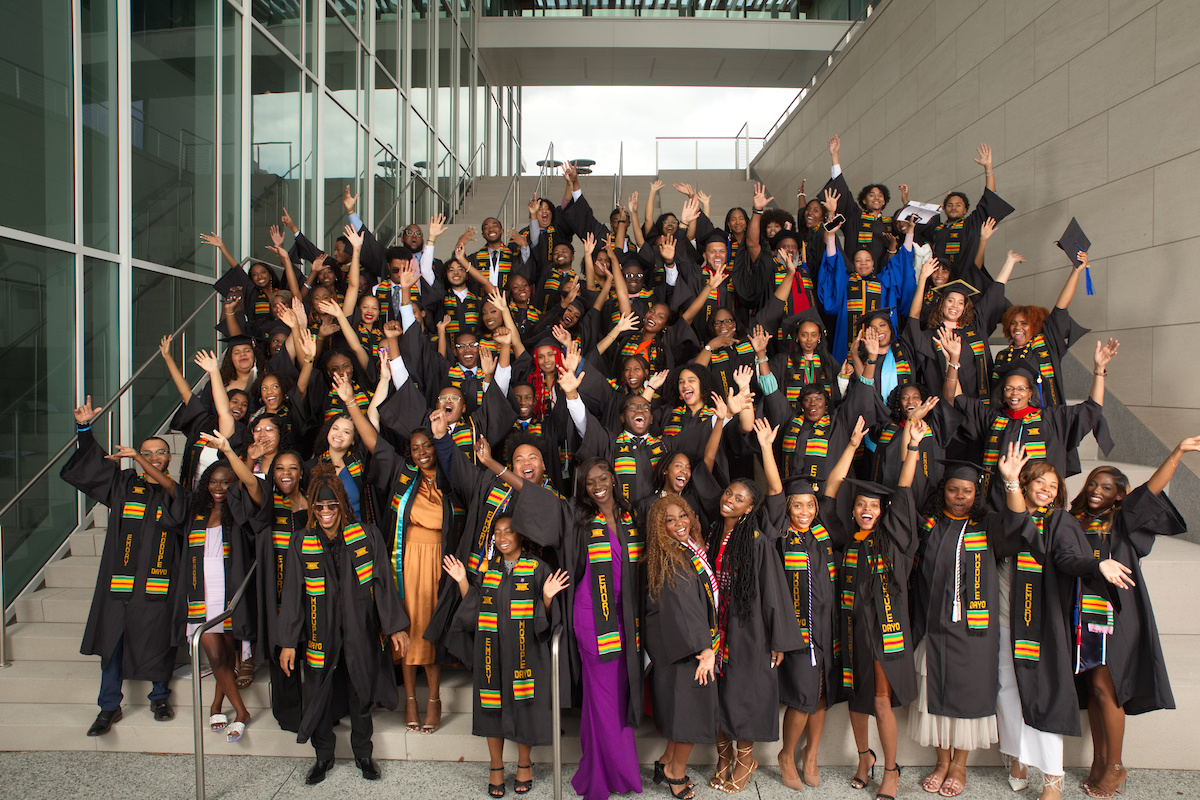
{"x":538,"y":381}
{"x":324,"y":476}
{"x":737,"y":576}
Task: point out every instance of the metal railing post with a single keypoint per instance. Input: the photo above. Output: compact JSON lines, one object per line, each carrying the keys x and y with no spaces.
{"x":3,"y":610}
{"x":197,"y":699}
{"x":556,"y":711}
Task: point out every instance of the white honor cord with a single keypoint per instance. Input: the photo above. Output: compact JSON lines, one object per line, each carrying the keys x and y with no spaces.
{"x":812,"y":645}
{"x":956,"y":613}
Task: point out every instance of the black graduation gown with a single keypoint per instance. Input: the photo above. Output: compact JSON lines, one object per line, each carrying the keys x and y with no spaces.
{"x":545,"y":519}
{"x":748,"y":686}
{"x":975,"y":367}
{"x":241,"y":540}
{"x":703,"y":493}
{"x":678,"y":628}
{"x":674,"y":345}
{"x":860,"y":401}
{"x":939,"y":235}
{"x":638,"y":483}
{"x":898,"y":527}
{"x":1047,"y":702}
{"x":191,"y":419}
{"x":1062,"y":428}
{"x":890,"y":449}
{"x":151,"y":620}
{"x":962,"y":677}
{"x":525,"y":721}
{"x":406,"y":410}
{"x":357,"y":617}
{"x":1059,"y":332}
{"x":858,"y":221}
{"x":790,"y":373}
{"x":1134,"y":654}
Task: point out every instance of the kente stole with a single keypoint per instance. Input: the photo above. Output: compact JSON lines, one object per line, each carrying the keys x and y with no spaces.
{"x":133,"y":515}
{"x":520,"y":610}
{"x":603,"y":587}
{"x":312,"y":552}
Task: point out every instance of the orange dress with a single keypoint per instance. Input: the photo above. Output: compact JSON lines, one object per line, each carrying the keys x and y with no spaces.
{"x":422,"y":570}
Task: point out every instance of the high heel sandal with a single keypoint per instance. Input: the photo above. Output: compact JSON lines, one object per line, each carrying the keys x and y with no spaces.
{"x":1017,"y":784}
{"x":896,"y":770}
{"x":796,"y":784}
{"x":733,"y":787}
{"x":1091,"y":791}
{"x":660,"y":774}
{"x":496,"y":789}
{"x":411,"y":724}
{"x":427,"y":728}
{"x":521,"y":787}
{"x":857,"y":782}
{"x":724,"y":753}
{"x":1052,"y":782}
{"x":689,"y":790}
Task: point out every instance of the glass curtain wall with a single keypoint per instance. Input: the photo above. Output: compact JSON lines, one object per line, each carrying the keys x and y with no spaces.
{"x":135,"y":127}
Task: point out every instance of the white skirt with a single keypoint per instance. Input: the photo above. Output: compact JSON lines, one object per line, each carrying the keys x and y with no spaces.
{"x":932,"y":730}
{"x":1030,"y":746}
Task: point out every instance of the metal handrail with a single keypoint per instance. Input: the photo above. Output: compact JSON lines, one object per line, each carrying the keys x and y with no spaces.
{"x":537,"y":192}
{"x":739,"y":137}
{"x":620,"y":176}
{"x":504,"y":203}
{"x":556,"y":710}
{"x":197,"y":719}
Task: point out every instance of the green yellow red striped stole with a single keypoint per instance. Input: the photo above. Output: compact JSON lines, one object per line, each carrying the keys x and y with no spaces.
{"x":463,"y":434}
{"x":530,"y":426}
{"x":725,"y":359}
{"x":483,"y":263}
{"x":457,"y":376}
{"x":335,"y":406}
{"x":644,"y":294}
{"x":953,"y":237}
{"x":282,"y":527}
{"x":801,"y":373}
{"x":971,"y":541}
{"x":383,"y":294}
{"x":196,"y":608}
{"x":1035,"y":351}
{"x":1031,"y":435}
{"x":138,"y":497}
{"x":978,"y":349}
{"x":1093,"y":613}
{"x":625,"y":464}
{"x":863,"y":296}
{"x":796,"y":561}
{"x":496,"y":503}
{"x":1026,"y":596}
{"x":313,"y":556}
{"x":675,"y":424}
{"x":370,"y":339}
{"x":603,"y":584}
{"x":525,"y":594}
{"x":709,"y":581}
{"x":887,"y":608}
{"x":464,"y":314}
{"x":816,"y":447}
{"x":531,"y":314}
{"x":866,"y":230}
{"x":262,"y":304}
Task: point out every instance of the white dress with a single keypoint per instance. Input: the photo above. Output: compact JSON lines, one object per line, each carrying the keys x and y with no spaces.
{"x":214,"y":577}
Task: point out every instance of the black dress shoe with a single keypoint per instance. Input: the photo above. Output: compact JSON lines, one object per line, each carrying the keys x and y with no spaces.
{"x":370,"y":769}
{"x":104,"y":721}
{"x":317,"y":773}
{"x":162,"y":710}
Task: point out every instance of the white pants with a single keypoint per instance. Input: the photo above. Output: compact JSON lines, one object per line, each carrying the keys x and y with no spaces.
{"x":1028,"y":745}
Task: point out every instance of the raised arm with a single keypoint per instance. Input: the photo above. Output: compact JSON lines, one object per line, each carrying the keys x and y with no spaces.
{"x":1010,"y":261}
{"x":381,"y":393}
{"x":215,"y":241}
{"x":701,"y":298}
{"x":366,"y":431}
{"x":355,"y":276}
{"x":589,"y":267}
{"x":1162,"y":476}
{"x":161,"y":478}
{"x":627,"y":322}
{"x":1104,"y":354}
{"x":348,"y":332}
{"x":784,"y":290}
{"x":1010,"y":466}
{"x":754,"y":227}
{"x":655,"y":188}
{"x":1068,"y":291}
{"x":927,"y":269}
{"x":306,"y":351}
{"x":914,"y":430}
{"x":254,"y":487}
{"x":984,"y":159}
{"x":634,"y":225}
{"x":952,"y":344}
{"x":276,"y":247}
{"x":766,"y":438}
{"x":207,"y":361}
{"x":842,"y":468}
{"x":181,"y":384}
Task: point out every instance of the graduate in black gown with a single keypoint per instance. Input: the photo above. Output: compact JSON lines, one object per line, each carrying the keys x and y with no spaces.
{"x":878,"y":544}
{"x":508,"y":613}
{"x":339,"y":597}
{"x":680,"y":619}
{"x":1119,"y":666}
{"x":1035,"y":706}
{"x":755,"y":621}
{"x":139,"y":582}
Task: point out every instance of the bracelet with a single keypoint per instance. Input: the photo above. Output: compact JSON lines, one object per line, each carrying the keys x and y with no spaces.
{"x":892,"y":252}
{"x":872,"y":360}
{"x":761,"y":360}
{"x":867,"y":381}
{"x":82,"y":428}
{"x":1100,"y":374}
{"x":758,"y":211}
{"x":801,"y":194}
{"x":914,"y":447}
{"x":951,"y":366}
{"x":1012,"y":486}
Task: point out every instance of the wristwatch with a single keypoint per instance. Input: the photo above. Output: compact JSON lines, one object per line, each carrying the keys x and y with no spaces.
{"x":709,"y":349}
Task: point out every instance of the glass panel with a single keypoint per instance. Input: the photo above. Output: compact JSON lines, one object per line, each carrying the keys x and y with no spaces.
{"x":349,"y":9}
{"x":418,"y":144}
{"x":386,"y":191}
{"x":480,"y":111}
{"x":341,"y":63}
{"x":274,"y":139}
{"x":340,"y":149}
{"x":35,"y":104}
{"x":465,"y":70}
{"x":384,"y":116}
{"x":447,"y":55}
{"x":37,"y":290}
{"x":101,"y":338}
{"x":312,"y":97}
{"x":230,"y":227}
{"x":421,"y":30}
{"x":98,"y":20}
{"x":444,"y":167}
{"x":160,"y":302}
{"x":173,"y":71}
{"x":282,"y":20}
{"x":387,"y":37}
{"x":312,"y":14}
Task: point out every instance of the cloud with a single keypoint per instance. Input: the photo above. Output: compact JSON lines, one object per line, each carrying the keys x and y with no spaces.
{"x":592,"y":121}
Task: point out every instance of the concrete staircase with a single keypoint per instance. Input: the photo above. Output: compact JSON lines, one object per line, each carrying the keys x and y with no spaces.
{"x":47,"y":697}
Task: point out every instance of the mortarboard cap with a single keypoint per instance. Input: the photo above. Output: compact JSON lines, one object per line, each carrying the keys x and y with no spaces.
{"x":963,"y":470}
{"x":869,"y":489}
{"x":803,"y":486}
{"x":958,"y":285}
{"x":784,"y":234}
{"x":233,"y":277}
{"x":1021,"y":366}
{"x":241,"y":338}
{"x":716,"y":235}
{"x":1072,"y":241}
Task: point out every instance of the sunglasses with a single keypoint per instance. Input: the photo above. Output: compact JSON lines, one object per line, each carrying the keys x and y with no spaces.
{"x":148,"y":453}
{"x":331,"y":505}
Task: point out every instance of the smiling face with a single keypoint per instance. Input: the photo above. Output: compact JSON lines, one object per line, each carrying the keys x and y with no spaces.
{"x":808,"y":336}
{"x":451,"y":402}
{"x":260,"y":276}
{"x":635,"y":277}
{"x":545,"y":213}
{"x":320,"y":294}
{"x":219,"y":481}
{"x":634,"y":374}
{"x":1017,"y":392}
{"x":1020,"y":330}
{"x":715,"y":254}
{"x":772,"y":228}
{"x":679,"y":473}
{"x":368,"y":309}
{"x":677,"y":523}
{"x":1042,"y":490}
{"x":864,"y":264}
{"x":670,"y":225}
{"x":562,"y":257}
{"x":159,"y":453}
{"x":456,"y":275}
{"x":953,"y":306}
{"x":328,"y":514}
{"x":266,"y":433}
{"x":1102,"y":491}
{"x":286,"y":471}
{"x":339,"y":364}
{"x":814,"y":214}
{"x":527,"y":463}
{"x":271,"y":393}
{"x":466,"y":348}
{"x":874,"y":199}
{"x":636,"y":416}
{"x":940,"y":275}
{"x":866,"y":512}
{"x":958,"y":496}
{"x":737,"y":221}
{"x":341,"y":435}
{"x":545,"y":359}
{"x":723,"y":323}
{"x":910,"y":399}
{"x":238,"y":406}
{"x":492,"y":230}
{"x":327,"y":279}
{"x":883,"y":330}
{"x":519,"y":289}
{"x":689,"y":389}
{"x":277,"y":341}
{"x":736,"y":500}
{"x":491,"y":317}
{"x":421,"y":451}
{"x":790,"y":249}
{"x":802,"y":510}
{"x":656,"y":319}
{"x":508,"y":542}
{"x":814,"y":405}
{"x":570,"y":316}
{"x":599,"y":484}
{"x":242,"y":356}
{"x":525,"y":401}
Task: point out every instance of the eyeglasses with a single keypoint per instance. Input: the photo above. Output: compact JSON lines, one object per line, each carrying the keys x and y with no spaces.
{"x":264,"y":428}
{"x":629,"y":275}
{"x":148,"y":453}
{"x":449,"y":398}
{"x":331,"y":505}
{"x":467,"y":346}
{"x":721,"y":323}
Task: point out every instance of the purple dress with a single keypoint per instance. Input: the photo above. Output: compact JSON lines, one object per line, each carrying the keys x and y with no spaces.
{"x":610,"y":761}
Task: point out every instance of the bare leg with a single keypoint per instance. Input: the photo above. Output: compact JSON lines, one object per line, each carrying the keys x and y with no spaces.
{"x":524,"y":765}
{"x":676,"y":768}
{"x":668,"y":754}
{"x":744,"y":765}
{"x":794,"y":721}
{"x":956,"y":776}
{"x":433,"y":711}
{"x":866,"y":761}
{"x":808,"y":756}
{"x":1104,"y":695}
{"x":219,"y":649}
{"x":934,"y":780}
{"x":725,"y":756}
{"x":885,"y":723}
{"x":496,"y":757}
{"x":409,"y":671}
{"x":1099,"y":740}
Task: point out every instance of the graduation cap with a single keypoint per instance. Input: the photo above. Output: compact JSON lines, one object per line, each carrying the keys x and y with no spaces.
{"x":792,"y":324}
{"x":234,"y":277}
{"x":716,"y":235}
{"x":879,"y":313}
{"x":958,"y":285}
{"x":270,"y":327}
{"x":1072,"y":241}
{"x":869,"y":489}
{"x":803,"y":486}
{"x":1021,"y":366}
{"x":241,"y":338}
{"x":963,"y":470}
{"x":634,"y":257}
{"x":784,"y":234}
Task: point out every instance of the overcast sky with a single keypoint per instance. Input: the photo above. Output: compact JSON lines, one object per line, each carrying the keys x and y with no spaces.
{"x":571,"y":117}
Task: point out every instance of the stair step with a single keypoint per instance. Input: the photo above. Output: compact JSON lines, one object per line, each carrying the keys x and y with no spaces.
{"x":56,"y":605}
{"x":47,"y":641}
{"x":88,"y":542}
{"x":74,"y":571}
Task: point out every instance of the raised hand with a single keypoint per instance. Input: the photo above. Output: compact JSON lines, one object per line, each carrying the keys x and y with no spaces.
{"x":286,"y":221}
{"x":719,"y":408}
{"x":835,"y":145}
{"x":1190,"y":445}
{"x":287,"y":316}
{"x":928,"y":268}
{"x":1012,"y":462}
{"x":633,"y":203}
{"x":951,"y":343}
{"x":984,"y":159}
{"x":759,"y":339}
{"x":355,"y":237}
{"x":656,"y":185}
{"x":207,"y":361}
{"x":739,"y":402}
{"x":164,"y":347}
{"x":442,"y":324}
{"x":742,"y":376}
{"x":860,"y":430}
{"x":85,"y":413}
{"x":691,"y":210}
{"x":467,"y":236}
{"x":503,"y":336}
{"x":666,"y":249}
{"x":703,"y":198}
{"x":437,"y":423}
{"x":890,"y":238}
{"x":589,"y":243}
{"x":1083,"y":260}
{"x":987,"y":229}
{"x":760,"y":197}
{"x":684,"y":189}
{"x":905,"y":226}
{"x":306,"y":347}
{"x":487,"y":362}
{"x":498,"y":299}
{"x":916,"y":431}
{"x":276,"y":236}
{"x":628,"y":322}
{"x":122,"y":451}
{"x":392,"y":329}
{"x":298,"y":312}
{"x":871,"y":340}
{"x":830,"y":201}
{"x":1116,"y":573}
{"x":516,"y":236}
{"x":555,"y":584}
{"x":349,"y":200}
{"x":922,"y":410}
{"x":327,"y":329}
{"x":215,"y":241}
{"x":657,"y":380}
{"x":437,"y":226}
{"x":569,"y":382}
{"x":1015,"y":257}
{"x":561,"y":335}
{"x":409,"y":275}
{"x":1105,"y":353}
{"x":454,"y":569}
{"x":718,"y":277}
{"x":765,"y":433}
{"x":331,"y":308}
{"x":344,"y":389}
{"x":385,"y":366}
{"x":903,"y":193}
{"x":216,"y":440}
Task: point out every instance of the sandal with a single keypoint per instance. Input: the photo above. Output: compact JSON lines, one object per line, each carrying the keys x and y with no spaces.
{"x":1017,"y":784}
{"x":890,"y":796}
{"x":688,"y":791}
{"x":427,"y":727}
{"x":521,"y":787}
{"x":235,"y":731}
{"x":1052,"y":782}
{"x":497,"y":789}
{"x":245,"y":674}
{"x":953,"y":787}
{"x":660,"y":773}
{"x":724,"y":753}
{"x":217,"y":722}
{"x":733,"y":787}
{"x":928,"y":783}
{"x":1092,"y":791}
{"x":411,"y":723}
{"x":857,"y":782}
